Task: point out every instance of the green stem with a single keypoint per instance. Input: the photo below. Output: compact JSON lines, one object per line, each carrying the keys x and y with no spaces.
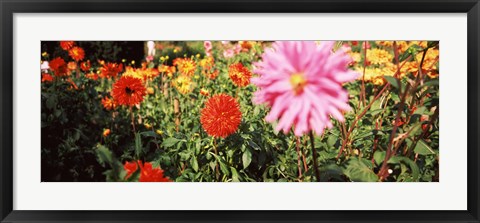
{"x":133,"y":120}
{"x":217,"y":172}
{"x":315,"y":156}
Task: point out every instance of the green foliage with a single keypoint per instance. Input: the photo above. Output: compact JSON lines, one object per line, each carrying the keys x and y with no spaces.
{"x":359,"y":169}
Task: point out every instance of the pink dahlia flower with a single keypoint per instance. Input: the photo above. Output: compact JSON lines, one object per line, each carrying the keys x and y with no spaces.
{"x":207,"y":45}
{"x":228,"y":53}
{"x":302,"y":82}
{"x":149,"y":58}
{"x":237,"y":48}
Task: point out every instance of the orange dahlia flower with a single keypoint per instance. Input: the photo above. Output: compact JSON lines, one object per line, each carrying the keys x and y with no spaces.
{"x":167,"y":70}
{"x":108,"y":103}
{"x":128,"y":91}
{"x":239,"y":74}
{"x":221,"y":116}
{"x":72,"y":65}
{"x":207,"y":63}
{"x":110,"y":70}
{"x":186,"y":66}
{"x":76,"y":53}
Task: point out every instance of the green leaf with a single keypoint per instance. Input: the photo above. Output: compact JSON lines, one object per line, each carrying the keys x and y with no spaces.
{"x":246,"y":158}
{"x":420,"y":110}
{"x":363,"y":135}
{"x":432,"y":44}
{"x":412,"y":50}
{"x":149,"y":133}
{"x":253,"y":145}
{"x":51,"y":101}
{"x":433,"y":82}
{"x":224,"y":168}
{"x":392,"y":80}
{"x":360,"y":169}
{"x":331,"y":140}
{"x":198,"y":146}
{"x":395,"y":97}
{"x":104,"y":155}
{"x":138,"y":145}
{"x":57,"y":112}
{"x":413,"y":166}
{"x":379,"y":156}
{"x":194,"y":163}
{"x":234,"y":175}
{"x":375,"y":112}
{"x":170,"y":142}
{"x":331,"y":171}
{"x":423,"y":148}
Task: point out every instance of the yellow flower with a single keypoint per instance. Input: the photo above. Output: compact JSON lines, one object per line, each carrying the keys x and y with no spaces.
{"x":143,"y":73}
{"x":204,"y":92}
{"x":430,"y":63}
{"x":402,"y":46}
{"x":160,"y":132}
{"x":376,"y":75}
{"x":384,"y":43}
{"x":356,"y":57}
{"x":207,"y":63}
{"x":150,"y":90}
{"x":131,"y":72}
{"x":379,"y":56}
{"x":124,"y":60}
{"x":183,"y":84}
{"x":133,"y":62}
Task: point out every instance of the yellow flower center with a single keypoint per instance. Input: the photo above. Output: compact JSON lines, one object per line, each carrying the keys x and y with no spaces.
{"x":298,"y":82}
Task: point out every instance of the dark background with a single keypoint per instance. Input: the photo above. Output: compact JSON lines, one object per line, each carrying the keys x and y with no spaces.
{"x":110,"y":51}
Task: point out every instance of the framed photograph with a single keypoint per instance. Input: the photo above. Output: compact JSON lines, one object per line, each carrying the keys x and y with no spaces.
{"x":203,"y":111}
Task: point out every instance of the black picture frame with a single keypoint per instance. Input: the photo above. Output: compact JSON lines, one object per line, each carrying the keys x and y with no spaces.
{"x":9,"y":7}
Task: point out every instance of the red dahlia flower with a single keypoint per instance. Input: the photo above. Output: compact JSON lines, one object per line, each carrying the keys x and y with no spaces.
{"x":221,"y":116}
{"x":147,"y":172}
{"x":128,"y":91}
{"x":59,"y":67}
{"x":66,"y":45}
